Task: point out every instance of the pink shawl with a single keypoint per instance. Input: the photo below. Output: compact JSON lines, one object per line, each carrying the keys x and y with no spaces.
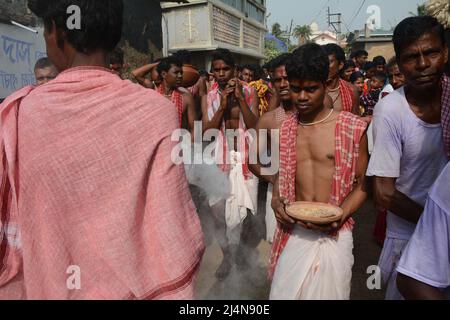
{"x":87,"y":181}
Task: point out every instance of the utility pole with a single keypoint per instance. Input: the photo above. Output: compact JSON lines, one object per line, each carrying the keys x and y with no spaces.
{"x":290,"y":32}
{"x":335,"y":21}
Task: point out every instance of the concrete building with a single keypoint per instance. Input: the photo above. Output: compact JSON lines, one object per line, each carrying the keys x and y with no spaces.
{"x":322,"y":37}
{"x":376,"y":43}
{"x":202,"y":26}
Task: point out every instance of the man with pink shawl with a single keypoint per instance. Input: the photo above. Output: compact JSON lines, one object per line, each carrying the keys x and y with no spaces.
{"x":92,"y":206}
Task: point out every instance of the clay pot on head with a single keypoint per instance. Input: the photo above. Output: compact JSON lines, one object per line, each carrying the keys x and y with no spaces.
{"x":190,"y":75}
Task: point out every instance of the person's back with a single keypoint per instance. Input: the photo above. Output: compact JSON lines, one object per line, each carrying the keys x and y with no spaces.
{"x":96,"y":208}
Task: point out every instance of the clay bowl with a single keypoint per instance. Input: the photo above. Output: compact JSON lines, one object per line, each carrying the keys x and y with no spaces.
{"x":314,"y":212}
{"x":190,"y":75}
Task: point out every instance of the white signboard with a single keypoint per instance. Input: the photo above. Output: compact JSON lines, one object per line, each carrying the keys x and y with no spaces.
{"x":19,"y":51}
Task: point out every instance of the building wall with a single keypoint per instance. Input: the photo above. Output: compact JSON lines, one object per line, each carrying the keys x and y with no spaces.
{"x":19,"y":51}
{"x":16,"y":10}
{"x":202,"y":26}
{"x":385,"y":49}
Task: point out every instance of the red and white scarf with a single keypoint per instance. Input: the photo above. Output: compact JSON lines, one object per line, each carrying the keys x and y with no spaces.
{"x":223,"y":150}
{"x":445,"y":119}
{"x":346,"y":95}
{"x":348,"y":133}
{"x":177,"y":100}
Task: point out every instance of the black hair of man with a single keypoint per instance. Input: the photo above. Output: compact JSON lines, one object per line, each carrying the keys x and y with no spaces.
{"x":411,"y":29}
{"x":391,"y":63}
{"x":355,"y":76}
{"x":43,"y":63}
{"x":203,"y":73}
{"x":361,"y":53}
{"x":116,"y":57}
{"x":258,"y":72}
{"x":167,"y":63}
{"x":309,"y":62}
{"x":349,"y":64}
{"x":379,"y":61}
{"x":248,"y":67}
{"x":369,"y":65}
{"x":101,"y":22}
{"x":381,"y":76}
{"x":225,"y":55}
{"x":184,"y":55}
{"x":279,"y":61}
{"x":338,"y":52}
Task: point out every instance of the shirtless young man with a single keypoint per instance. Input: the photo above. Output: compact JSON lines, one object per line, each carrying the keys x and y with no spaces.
{"x":232,"y":106}
{"x":281,"y":107}
{"x":171,"y":72}
{"x":345,"y":96}
{"x":323,"y":158}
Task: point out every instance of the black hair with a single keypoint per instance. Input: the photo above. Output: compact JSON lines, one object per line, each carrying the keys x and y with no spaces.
{"x":349,"y":64}
{"x":167,"y":63}
{"x":392,"y":62}
{"x":369,"y":65}
{"x":379,"y":61}
{"x":184,"y":56}
{"x":338,"y":52}
{"x":43,"y":63}
{"x":361,"y":53}
{"x":248,"y":67}
{"x":203,"y":73}
{"x":101,"y":22}
{"x":309,"y":62}
{"x":380,"y":76}
{"x":279,"y":61}
{"x":225,"y":55}
{"x":116,"y":57}
{"x":355,"y":76}
{"x":257,"y":72}
{"x":411,"y":29}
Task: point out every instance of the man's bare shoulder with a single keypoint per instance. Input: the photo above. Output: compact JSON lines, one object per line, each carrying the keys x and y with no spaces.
{"x":184,"y":91}
{"x":268,"y":120}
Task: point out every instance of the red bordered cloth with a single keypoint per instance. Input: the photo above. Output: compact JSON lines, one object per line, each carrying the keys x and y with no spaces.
{"x":348,"y":134}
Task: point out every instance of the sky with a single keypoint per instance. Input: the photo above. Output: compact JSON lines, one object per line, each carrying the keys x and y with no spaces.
{"x":353,"y":12}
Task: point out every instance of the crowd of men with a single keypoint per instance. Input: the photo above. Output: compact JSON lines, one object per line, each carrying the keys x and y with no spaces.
{"x":88,"y":178}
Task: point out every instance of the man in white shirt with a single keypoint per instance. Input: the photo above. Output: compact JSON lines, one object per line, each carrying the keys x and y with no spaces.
{"x":408,"y":154}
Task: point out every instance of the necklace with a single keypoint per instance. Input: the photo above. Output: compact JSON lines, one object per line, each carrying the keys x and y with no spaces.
{"x":317,"y":122}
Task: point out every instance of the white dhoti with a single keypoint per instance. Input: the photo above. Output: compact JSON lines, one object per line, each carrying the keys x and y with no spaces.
{"x":271,"y":221}
{"x":314,"y":266}
{"x":243,"y":196}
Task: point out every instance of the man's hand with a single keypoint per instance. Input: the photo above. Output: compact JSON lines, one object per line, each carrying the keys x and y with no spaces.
{"x":224,"y":97}
{"x":238,"y":91}
{"x":325,"y":228}
{"x":279,"y":208}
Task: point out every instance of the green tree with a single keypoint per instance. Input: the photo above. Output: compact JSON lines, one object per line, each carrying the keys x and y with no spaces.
{"x":303,"y":33}
{"x":270,"y":50}
{"x":276,"y":30}
{"x":421,"y":11}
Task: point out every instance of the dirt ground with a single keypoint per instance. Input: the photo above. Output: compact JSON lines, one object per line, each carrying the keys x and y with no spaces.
{"x":252,"y":284}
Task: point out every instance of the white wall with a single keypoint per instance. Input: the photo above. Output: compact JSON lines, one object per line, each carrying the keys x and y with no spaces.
{"x":19,"y":51}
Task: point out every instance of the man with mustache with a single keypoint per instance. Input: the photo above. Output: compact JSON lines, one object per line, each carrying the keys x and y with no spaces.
{"x":408,"y":153}
{"x":171,"y":72}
